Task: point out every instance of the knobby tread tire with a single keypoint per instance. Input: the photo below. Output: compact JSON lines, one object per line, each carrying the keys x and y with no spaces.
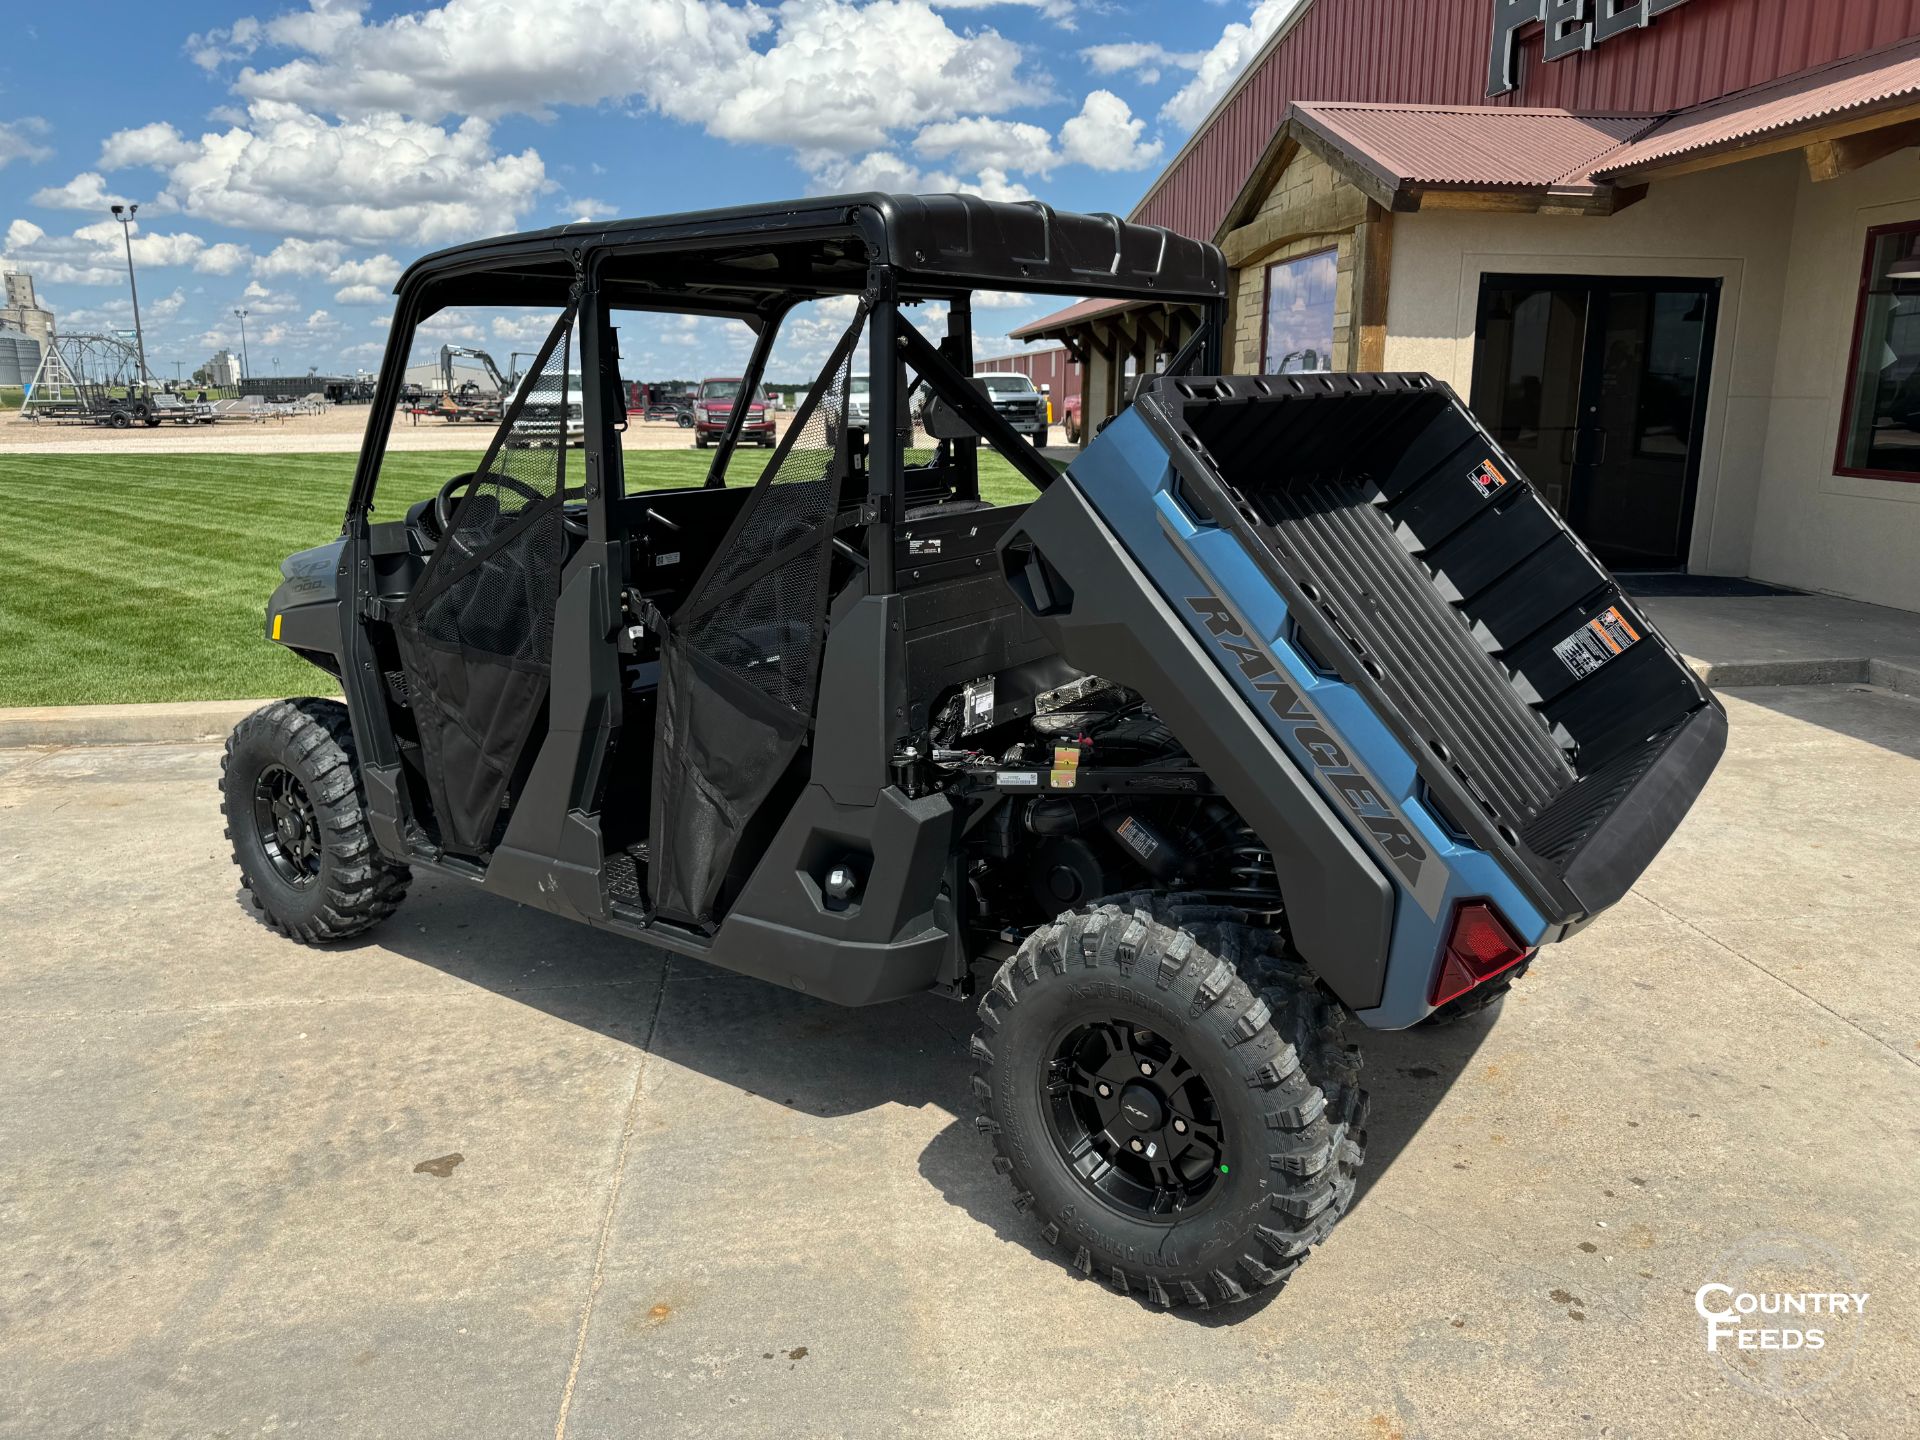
{"x":1257,"y":1015}
{"x":358,"y":887}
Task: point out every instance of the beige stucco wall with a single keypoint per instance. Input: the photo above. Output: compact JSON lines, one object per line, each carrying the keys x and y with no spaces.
{"x":1726,"y":224}
{"x":1815,"y":529}
{"x":1787,"y":252}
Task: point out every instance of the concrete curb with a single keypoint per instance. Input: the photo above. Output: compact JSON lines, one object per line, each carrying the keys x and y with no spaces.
{"x":1898,"y":676}
{"x":177,"y":722}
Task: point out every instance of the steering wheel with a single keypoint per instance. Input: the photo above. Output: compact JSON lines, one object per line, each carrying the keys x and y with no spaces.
{"x":443,"y":503}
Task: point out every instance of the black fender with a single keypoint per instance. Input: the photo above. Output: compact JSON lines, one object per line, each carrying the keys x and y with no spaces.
{"x":1107,"y":618}
{"x":304,"y":613}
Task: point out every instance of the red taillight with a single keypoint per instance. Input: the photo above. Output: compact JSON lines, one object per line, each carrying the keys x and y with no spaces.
{"x":1479,"y":947}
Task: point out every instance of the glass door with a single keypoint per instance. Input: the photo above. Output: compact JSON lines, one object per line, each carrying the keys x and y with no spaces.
{"x":1597,"y":388}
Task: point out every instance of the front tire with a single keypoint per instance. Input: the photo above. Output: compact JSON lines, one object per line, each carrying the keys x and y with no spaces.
{"x":1211,"y":1172}
{"x":296,"y":819}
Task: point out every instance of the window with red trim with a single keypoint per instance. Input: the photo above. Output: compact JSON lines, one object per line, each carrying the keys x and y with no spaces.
{"x":1880,"y":427}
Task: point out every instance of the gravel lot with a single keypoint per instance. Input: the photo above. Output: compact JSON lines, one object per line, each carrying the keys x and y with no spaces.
{"x":338,"y":429}
{"x":493,"y":1175}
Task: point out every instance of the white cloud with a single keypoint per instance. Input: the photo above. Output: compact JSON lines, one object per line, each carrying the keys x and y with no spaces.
{"x":1060,"y":10}
{"x":158,"y":145}
{"x":1001,"y":145}
{"x":156,"y":313}
{"x":95,"y":254}
{"x":259,"y":300}
{"x":364,"y":281}
{"x":222,"y":259}
{"x":992,"y":184}
{"x":165,"y":308}
{"x":1145,"y":59}
{"x":587,"y":209}
{"x":380,"y":270}
{"x":1237,"y":45}
{"x":219,"y":47}
{"x":1106,"y":135}
{"x":369,"y":180}
{"x":85,"y":191}
{"x":299,"y":257}
{"x":17,"y":143}
{"x":876,"y":170}
{"x":885,"y":170}
{"x":830,"y":74}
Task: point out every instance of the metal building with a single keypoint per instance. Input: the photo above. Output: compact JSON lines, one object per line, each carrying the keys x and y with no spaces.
{"x":1669,"y":249}
{"x":19,"y":358}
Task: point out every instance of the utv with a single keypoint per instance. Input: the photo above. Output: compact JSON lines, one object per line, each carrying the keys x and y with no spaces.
{"x":1288,"y":703}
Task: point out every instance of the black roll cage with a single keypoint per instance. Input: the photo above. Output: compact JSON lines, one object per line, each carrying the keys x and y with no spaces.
{"x":754,"y":264}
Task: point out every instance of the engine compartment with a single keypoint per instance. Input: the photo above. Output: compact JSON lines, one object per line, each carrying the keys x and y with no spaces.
{"x":1076,"y":792}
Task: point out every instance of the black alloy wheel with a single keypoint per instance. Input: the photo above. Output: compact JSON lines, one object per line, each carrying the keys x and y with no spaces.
{"x":286,"y":825}
{"x":296,"y":817}
{"x":1134,"y":1120}
{"x":1171,"y":1096}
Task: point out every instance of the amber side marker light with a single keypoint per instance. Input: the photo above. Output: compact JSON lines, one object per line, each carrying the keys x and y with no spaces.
{"x":1479,"y":946}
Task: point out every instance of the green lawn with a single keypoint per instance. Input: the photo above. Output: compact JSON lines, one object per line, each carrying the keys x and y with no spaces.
{"x":146,"y":577}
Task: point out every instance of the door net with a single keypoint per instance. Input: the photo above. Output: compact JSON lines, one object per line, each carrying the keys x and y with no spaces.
{"x":740,"y":659}
{"x":476,"y":634}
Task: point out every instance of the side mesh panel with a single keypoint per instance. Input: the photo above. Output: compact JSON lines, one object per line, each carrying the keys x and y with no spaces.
{"x":740,"y":660}
{"x":476,"y":635}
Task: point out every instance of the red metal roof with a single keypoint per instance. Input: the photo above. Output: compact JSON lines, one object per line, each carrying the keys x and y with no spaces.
{"x":1435,"y":53}
{"x":1486,"y":146}
{"x":1072,"y":315}
{"x":1863,"y":83}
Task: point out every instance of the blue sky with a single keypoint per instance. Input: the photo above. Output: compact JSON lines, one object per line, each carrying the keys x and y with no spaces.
{"x":291,"y":160}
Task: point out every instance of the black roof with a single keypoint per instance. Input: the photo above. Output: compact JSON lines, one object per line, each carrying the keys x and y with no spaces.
{"x":738,"y":258}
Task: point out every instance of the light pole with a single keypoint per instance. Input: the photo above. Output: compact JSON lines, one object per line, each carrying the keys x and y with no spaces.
{"x":244,"y":366}
{"x":124,"y":214}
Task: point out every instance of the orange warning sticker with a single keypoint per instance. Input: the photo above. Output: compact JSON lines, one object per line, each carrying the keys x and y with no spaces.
{"x":1487,"y":478}
{"x":1607,"y":635}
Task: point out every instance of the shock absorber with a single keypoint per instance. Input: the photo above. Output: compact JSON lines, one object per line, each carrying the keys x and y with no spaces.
{"x":1239,"y":856}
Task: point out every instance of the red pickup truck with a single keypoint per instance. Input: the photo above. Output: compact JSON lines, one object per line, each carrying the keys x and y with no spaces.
{"x":713,"y":411}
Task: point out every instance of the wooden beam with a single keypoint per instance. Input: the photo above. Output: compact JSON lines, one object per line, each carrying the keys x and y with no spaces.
{"x":1265,"y":175}
{"x":1842,"y":155}
{"x":1372,"y":273}
{"x":1156,"y":337}
{"x":1333,"y":214}
{"x":1381,"y":189}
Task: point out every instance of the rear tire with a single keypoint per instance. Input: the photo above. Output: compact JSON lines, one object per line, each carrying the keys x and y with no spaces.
{"x":296,"y":819}
{"x":1252,"y":1059}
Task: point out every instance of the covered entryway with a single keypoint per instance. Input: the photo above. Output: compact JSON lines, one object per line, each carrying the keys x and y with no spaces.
{"x":1597,"y":387}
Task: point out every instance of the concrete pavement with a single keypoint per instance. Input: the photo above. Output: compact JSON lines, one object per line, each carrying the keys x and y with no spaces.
{"x":489,"y":1174}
